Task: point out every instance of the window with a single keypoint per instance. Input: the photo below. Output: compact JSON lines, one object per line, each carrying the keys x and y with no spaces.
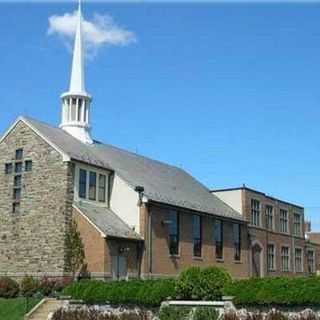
{"x":18,"y":167}
{"x":8,"y":168}
{"x":174,"y":233}
{"x":269,"y":217}
{"x":92,"y":185}
{"x":298,"y":260}
{"x":284,"y":221}
{"x":28,"y":166}
{"x":80,"y":110}
{"x":17,"y":194}
{"x":255,"y":212}
{"x":271,"y":257}
{"x":297,"y":224}
{"x":82,"y":183}
{"x":237,"y":241}
{"x":197,"y":236}
{"x":285,"y":259}
{"x":311,"y":261}
{"x":218,"y":237}
{"x":102,"y":188}
{"x":17,"y":181}
{"x":19,"y":154}
{"x":16,"y":207}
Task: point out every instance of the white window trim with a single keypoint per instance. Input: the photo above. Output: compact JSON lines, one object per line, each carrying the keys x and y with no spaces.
{"x":301,"y":223}
{"x":302,"y":259}
{"x":275,"y":256}
{"x":289,"y":262}
{"x":97,"y":171}
{"x":273,"y":217}
{"x":288,"y":221}
{"x":260,"y":213}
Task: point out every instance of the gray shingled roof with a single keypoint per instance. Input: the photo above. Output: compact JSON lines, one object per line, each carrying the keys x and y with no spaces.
{"x":162,"y":182}
{"x":107,"y":221}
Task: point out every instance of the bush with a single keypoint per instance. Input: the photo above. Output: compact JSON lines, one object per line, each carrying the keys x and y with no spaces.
{"x":174,"y":313}
{"x":205,"y":284}
{"x":285,"y":291}
{"x":29,"y":286}
{"x":205,"y":313}
{"x":148,"y":293}
{"x":8,"y":288}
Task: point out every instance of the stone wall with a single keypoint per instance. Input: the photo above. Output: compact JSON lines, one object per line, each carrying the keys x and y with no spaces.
{"x":33,"y":241}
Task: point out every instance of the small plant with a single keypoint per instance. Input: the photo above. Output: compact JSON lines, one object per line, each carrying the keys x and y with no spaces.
{"x":29,"y":286}
{"x":8,"y":288}
{"x":174,"y":313}
{"x":205,"y":313}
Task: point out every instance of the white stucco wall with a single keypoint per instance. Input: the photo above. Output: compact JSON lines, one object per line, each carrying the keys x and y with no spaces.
{"x":124,"y":202}
{"x":232,"y":198}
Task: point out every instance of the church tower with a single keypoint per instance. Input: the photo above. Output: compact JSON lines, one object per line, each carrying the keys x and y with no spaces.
{"x":76,"y":102}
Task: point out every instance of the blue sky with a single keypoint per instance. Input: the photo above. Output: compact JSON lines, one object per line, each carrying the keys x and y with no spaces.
{"x":229,"y":92}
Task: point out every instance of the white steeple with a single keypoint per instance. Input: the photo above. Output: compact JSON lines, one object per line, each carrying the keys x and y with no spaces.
{"x":76,"y":102}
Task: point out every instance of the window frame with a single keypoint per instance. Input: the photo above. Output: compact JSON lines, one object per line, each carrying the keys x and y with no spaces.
{"x":285,"y":256}
{"x":313,"y":260}
{"x":92,"y":195}
{"x":175,"y":233}
{"x":196,"y":236}
{"x":272,"y":268}
{"x":18,"y":154}
{"x":301,"y":260}
{"x":237,"y":241}
{"x":295,"y":224}
{"x":286,"y":220}
{"x":269,"y":215}
{"x":83,"y":184}
{"x":218,"y":239}
{"x":255,"y":213}
{"x":8,"y":168}
{"x":28,"y":165}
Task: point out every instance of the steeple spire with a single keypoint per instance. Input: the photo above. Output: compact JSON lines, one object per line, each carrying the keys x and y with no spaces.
{"x":76,"y":102}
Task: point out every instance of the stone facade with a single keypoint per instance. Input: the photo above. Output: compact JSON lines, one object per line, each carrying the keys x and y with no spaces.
{"x":33,"y":241}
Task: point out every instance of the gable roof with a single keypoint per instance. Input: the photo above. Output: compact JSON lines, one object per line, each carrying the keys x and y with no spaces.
{"x":162,"y":182}
{"x":106,"y":221}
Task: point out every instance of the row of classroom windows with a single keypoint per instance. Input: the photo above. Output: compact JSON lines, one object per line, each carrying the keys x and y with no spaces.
{"x":256,"y":218}
{"x":174,"y":236}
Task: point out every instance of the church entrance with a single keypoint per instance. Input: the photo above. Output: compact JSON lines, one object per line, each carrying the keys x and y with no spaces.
{"x":256,"y":260}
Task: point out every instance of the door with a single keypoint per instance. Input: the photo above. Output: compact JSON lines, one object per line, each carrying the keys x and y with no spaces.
{"x":256,"y":261}
{"x":119,"y":267}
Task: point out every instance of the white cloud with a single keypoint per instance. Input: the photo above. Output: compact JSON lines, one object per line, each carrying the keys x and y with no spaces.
{"x":99,"y":32}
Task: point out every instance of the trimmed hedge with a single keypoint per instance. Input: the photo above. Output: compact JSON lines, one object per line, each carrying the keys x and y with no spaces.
{"x":145,"y":293}
{"x":300,"y":291}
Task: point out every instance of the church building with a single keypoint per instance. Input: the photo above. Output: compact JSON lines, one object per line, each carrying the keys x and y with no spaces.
{"x":137,"y":217}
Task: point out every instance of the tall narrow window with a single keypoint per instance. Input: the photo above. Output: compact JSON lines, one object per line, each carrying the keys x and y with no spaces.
{"x":102,"y":188}
{"x":271,"y":257}
{"x":298,"y":260}
{"x":80,"y":110}
{"x":285,"y":259}
{"x":19,"y":154}
{"x":255,"y":212}
{"x":269,"y":217}
{"x":8,"y":168}
{"x":18,"y":167}
{"x":311,"y":261}
{"x":197,"y":236}
{"x":237,"y":241}
{"x":297,"y":226}
{"x":82,"y":183}
{"x":284,"y":221}
{"x":92,"y":185}
{"x":17,"y":181}
{"x":218,"y":237}
{"x":174,"y":233}
{"x":28,"y":165}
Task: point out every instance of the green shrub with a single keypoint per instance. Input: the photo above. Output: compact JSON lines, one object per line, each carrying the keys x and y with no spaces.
{"x":202,"y":284}
{"x":29,"y":286}
{"x":205,"y":313}
{"x":148,"y":293}
{"x":300,"y":291}
{"x":8,"y":288}
{"x":174,"y":313}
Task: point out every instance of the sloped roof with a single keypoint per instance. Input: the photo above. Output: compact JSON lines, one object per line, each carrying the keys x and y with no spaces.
{"x":107,"y":221}
{"x":162,"y":182}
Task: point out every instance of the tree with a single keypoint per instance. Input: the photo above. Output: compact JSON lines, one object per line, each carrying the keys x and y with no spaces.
{"x":74,"y":249}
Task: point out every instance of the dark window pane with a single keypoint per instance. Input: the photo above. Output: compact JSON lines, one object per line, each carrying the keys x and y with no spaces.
{"x":197,"y":236}
{"x":19,"y":154}
{"x":17,"y":194}
{"x":218,"y":237}
{"x":8,"y":168}
{"x":237,"y":241}
{"x":16,"y":207}
{"x":174,"y":233}
{"x":28,"y":166}
{"x":102,"y":188}
{"x":18,"y":167}
{"x":17,"y":181}
{"x":92,"y":185}
{"x":82,"y":183}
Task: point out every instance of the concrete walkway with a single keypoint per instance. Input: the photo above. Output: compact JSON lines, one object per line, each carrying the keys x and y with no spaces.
{"x":42,"y":310}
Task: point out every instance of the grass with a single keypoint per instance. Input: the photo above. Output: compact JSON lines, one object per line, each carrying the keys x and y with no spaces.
{"x":15,"y":309}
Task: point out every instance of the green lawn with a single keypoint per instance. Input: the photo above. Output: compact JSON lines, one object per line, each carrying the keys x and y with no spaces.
{"x":15,"y":309}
